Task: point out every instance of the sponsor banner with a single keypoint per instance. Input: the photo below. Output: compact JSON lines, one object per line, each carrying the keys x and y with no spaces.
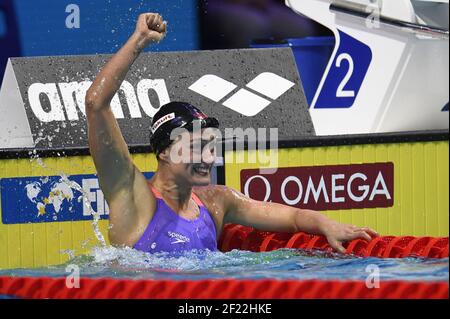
{"x":331,"y":187}
{"x":44,"y":98}
{"x":52,"y":199}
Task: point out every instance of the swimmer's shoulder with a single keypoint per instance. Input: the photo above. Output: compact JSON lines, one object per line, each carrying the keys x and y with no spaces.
{"x":218,"y":196}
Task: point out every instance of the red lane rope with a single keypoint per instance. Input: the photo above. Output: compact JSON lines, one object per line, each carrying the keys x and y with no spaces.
{"x":106,"y":288}
{"x":241,"y":237}
{"x":247,"y":238}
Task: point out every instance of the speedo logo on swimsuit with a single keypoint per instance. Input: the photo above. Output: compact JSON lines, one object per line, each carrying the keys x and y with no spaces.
{"x":258,"y":94}
{"x":178,"y":238}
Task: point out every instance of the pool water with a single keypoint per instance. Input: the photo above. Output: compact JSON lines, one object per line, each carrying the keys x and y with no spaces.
{"x":282,"y":264}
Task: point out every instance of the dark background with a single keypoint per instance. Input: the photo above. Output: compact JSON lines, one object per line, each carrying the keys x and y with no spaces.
{"x":37,"y":27}
{"x":237,"y":23}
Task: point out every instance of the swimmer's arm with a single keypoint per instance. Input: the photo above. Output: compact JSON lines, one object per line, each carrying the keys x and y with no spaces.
{"x":282,"y":218}
{"x":150,"y":28}
{"x":107,"y":145}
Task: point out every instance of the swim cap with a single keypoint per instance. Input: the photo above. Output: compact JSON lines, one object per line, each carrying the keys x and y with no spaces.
{"x":174,"y":115}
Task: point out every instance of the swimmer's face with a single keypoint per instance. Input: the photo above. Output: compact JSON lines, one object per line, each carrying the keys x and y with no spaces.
{"x":191,"y":157}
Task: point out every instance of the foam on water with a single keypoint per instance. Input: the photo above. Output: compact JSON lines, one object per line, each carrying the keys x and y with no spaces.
{"x":114,"y":262}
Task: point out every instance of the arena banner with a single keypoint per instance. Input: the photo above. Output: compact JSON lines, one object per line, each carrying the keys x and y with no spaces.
{"x":42,"y":99}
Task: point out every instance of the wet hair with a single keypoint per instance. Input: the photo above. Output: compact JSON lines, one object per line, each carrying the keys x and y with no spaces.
{"x":176,"y":115}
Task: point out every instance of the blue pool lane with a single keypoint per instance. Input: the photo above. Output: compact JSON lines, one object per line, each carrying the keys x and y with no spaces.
{"x":283,"y":264}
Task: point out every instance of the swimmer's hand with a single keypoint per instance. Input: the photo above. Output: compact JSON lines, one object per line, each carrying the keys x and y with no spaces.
{"x":150,"y":28}
{"x":337,"y":234}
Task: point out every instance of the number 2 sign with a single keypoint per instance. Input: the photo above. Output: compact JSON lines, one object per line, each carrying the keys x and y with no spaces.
{"x":346,"y":75}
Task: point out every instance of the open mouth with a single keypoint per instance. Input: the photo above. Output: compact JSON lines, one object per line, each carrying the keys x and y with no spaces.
{"x":201,"y":169}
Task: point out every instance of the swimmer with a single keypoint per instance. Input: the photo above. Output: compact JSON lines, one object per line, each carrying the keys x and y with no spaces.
{"x":178,"y":209}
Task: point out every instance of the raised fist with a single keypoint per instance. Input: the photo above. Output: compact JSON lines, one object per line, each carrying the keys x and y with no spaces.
{"x":151,"y":28}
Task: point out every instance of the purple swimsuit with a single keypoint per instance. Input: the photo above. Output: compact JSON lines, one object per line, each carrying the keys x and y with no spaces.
{"x":169,"y":232}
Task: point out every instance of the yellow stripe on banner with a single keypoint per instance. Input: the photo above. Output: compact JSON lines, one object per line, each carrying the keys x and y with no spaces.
{"x":421,"y":183}
{"x":42,"y":244}
{"x":26,"y":236}
{"x":4,"y":253}
{"x":13,"y":232}
{"x":442,"y":165}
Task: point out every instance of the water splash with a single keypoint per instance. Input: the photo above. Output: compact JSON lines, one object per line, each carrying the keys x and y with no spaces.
{"x":34,"y":158}
{"x":113,"y":262}
{"x":87,"y":203}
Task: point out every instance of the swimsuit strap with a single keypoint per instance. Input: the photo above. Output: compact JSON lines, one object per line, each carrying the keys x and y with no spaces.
{"x":197,"y":200}
{"x":158,"y":195}
{"x":154,"y":190}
